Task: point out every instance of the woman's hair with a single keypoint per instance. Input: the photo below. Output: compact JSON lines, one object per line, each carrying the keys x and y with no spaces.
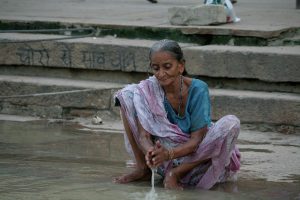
{"x":169,"y":46}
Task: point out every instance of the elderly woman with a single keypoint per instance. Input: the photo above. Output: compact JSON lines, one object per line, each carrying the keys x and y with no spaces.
{"x":168,"y":126}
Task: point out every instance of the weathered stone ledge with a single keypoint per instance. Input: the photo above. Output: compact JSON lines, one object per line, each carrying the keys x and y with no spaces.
{"x":279,"y":109}
{"x":145,"y":30}
{"x":55,"y":98}
{"x":273,"y":64}
{"x":257,"y":107}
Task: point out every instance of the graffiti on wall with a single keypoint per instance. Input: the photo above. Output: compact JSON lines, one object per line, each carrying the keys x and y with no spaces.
{"x":67,"y":56}
{"x":33,"y":56}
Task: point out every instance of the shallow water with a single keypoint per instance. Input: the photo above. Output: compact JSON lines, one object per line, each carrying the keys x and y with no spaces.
{"x":39,"y":160}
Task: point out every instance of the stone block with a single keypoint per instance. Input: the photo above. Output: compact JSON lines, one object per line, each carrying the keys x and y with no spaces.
{"x":27,"y":98}
{"x":197,"y":15}
{"x":54,"y":111}
{"x":272,"y":64}
{"x":85,"y":53}
{"x":256,"y":107}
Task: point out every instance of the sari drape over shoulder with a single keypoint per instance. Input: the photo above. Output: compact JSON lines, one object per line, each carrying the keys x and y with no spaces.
{"x":144,"y":102}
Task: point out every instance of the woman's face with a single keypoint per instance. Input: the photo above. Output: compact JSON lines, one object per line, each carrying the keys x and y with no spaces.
{"x":165,"y":67}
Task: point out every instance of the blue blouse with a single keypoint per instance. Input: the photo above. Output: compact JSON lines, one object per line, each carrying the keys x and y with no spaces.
{"x":197,"y":109}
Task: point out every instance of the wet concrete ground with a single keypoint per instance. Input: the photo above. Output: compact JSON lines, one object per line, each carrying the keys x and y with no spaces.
{"x":44,"y":160}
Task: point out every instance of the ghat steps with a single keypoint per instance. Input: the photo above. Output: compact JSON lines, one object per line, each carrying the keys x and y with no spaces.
{"x":66,"y":98}
{"x":77,"y":77}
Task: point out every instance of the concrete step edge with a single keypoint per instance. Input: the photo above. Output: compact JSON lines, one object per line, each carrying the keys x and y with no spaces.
{"x":285,"y":50}
{"x":249,"y":106}
{"x":272,"y":64}
{"x":60,"y":82}
{"x":86,"y":84}
{"x":246,"y":94}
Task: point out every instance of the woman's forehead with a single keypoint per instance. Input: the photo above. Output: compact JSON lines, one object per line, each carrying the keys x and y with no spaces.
{"x":162,"y":55}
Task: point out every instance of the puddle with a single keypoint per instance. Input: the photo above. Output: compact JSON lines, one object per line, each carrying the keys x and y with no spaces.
{"x":42,"y":161}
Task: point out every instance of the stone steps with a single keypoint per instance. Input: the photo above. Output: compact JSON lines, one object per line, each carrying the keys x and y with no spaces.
{"x":78,"y":98}
{"x":266,"y":111}
{"x":56,"y":98}
{"x":267,"y":66}
{"x":272,"y":64}
{"x":258,"y":84}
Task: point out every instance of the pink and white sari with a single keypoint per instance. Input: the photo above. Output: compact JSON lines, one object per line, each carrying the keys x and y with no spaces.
{"x":144,"y":102}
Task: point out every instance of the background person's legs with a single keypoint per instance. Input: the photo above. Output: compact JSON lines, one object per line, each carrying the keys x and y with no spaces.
{"x":152,"y":1}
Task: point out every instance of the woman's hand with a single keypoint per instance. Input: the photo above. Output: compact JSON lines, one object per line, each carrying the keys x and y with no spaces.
{"x":156,"y":155}
{"x":148,"y":157}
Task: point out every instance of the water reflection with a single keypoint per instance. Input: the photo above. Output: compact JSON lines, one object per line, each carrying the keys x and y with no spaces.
{"x":42,"y":161}
{"x":151,"y":195}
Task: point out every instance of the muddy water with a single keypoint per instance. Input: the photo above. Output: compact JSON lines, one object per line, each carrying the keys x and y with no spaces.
{"x":39,"y":160}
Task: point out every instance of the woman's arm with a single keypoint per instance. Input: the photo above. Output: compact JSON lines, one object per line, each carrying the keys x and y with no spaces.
{"x":161,"y":154}
{"x":144,"y":139}
{"x":146,"y":144}
{"x":191,"y":145}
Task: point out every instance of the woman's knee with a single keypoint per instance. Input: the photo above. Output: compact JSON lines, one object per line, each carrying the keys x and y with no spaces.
{"x":231,"y":122}
{"x":234,"y":120}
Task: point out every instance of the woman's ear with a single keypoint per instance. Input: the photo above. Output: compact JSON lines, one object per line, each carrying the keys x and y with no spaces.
{"x":181,"y":67}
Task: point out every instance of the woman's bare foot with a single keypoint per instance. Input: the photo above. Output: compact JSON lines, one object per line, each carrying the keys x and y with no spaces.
{"x":171,"y":181}
{"x":136,"y":175}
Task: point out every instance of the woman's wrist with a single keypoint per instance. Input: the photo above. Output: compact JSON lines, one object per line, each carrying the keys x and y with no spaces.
{"x":146,"y":145}
{"x":166,"y":154}
{"x":170,"y":154}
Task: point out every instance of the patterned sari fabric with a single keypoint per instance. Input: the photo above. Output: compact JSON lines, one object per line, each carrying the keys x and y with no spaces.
{"x":144,"y":102}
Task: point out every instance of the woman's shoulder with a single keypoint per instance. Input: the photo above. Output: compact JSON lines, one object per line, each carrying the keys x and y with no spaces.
{"x":198,"y":89}
{"x":199,"y":84}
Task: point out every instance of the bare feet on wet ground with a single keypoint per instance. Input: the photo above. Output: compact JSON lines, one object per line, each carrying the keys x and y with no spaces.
{"x":171,"y":181}
{"x":144,"y":174}
{"x":136,"y":175}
